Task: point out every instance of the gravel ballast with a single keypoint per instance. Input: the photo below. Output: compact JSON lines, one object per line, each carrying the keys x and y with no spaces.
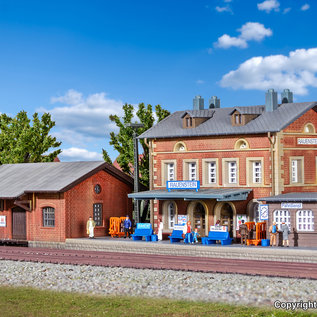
{"x":229,"y":288}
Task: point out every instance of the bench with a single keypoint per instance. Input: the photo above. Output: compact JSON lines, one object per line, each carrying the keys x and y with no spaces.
{"x":176,"y":236}
{"x":215,"y":236}
{"x":142,"y":230}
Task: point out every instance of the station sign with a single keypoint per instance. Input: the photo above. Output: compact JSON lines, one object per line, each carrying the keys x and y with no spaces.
{"x":291,"y":205}
{"x":181,"y":227}
{"x":307,"y":141}
{"x":182,"y":185}
{"x":144,"y":226}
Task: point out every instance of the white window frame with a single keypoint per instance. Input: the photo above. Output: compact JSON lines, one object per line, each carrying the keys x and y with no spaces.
{"x":257,"y":175}
{"x":296,"y":170}
{"x":207,"y":170}
{"x":230,"y":178}
{"x":192,"y":171}
{"x":305,"y":220}
{"x":212,"y":170}
{"x":170,"y":171}
{"x":232,"y":172}
{"x":282,"y":215}
{"x":168,"y":168}
{"x":171,"y":215}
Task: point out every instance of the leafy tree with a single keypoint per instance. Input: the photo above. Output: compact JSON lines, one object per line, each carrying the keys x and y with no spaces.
{"x":21,"y":142}
{"x":123,"y":140}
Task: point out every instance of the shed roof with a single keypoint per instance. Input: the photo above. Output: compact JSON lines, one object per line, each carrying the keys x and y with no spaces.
{"x":221,"y":194}
{"x":220,"y":121}
{"x":292,"y":197}
{"x":18,"y":179}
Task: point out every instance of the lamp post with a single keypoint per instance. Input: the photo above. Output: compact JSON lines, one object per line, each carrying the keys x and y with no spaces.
{"x":136,"y":126}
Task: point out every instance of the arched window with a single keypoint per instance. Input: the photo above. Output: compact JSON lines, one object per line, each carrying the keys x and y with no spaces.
{"x":309,"y":128}
{"x":180,"y":147}
{"x":171,"y":215}
{"x":241,"y":144}
{"x":280,"y":216}
{"x":305,"y":220}
{"x":48,"y":217}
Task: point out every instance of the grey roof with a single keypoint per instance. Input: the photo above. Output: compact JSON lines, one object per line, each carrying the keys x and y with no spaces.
{"x":294,"y":197}
{"x":221,"y":194}
{"x":206,"y":113}
{"x":249,"y":110}
{"x":17,"y":179}
{"x":220,"y":122}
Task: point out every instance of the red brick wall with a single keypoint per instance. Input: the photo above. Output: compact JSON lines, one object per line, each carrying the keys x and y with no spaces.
{"x":80,"y":200}
{"x":73,"y":208}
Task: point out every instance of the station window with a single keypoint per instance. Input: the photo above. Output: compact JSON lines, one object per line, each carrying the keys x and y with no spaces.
{"x":232,"y":172}
{"x":280,"y":216}
{"x":257,"y":172}
{"x":170,"y":172}
{"x":171,"y":215}
{"x":97,"y":212}
{"x":48,"y":217}
{"x":192,"y":171}
{"x":305,"y":220}
{"x":297,"y":170}
{"x":212,"y":172}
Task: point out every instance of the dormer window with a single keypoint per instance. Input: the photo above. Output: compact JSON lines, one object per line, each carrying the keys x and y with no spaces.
{"x":189,"y":122}
{"x":238,"y":119}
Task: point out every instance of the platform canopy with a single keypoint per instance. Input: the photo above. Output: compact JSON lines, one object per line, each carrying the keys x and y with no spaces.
{"x":220,"y":194}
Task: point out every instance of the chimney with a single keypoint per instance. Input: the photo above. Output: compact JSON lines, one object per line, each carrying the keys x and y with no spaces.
{"x":198,"y":103}
{"x":214,"y":102}
{"x":287,"y":96}
{"x":270,"y":100}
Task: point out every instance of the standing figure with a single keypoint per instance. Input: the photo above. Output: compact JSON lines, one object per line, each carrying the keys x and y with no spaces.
{"x":243,"y":230}
{"x":160,"y":230}
{"x":217,"y":222}
{"x":195,"y":235}
{"x":91,"y":228}
{"x":189,"y":235}
{"x":285,"y":231}
{"x":127,"y":227}
{"x":273,"y":230}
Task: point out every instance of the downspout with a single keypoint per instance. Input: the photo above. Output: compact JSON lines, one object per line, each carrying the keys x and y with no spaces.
{"x":272,"y":140}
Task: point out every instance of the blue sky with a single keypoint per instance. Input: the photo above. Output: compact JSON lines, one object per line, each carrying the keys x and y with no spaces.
{"x":81,"y":60}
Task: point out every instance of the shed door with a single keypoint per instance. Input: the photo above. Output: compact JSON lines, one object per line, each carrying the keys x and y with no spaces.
{"x":18,"y":223}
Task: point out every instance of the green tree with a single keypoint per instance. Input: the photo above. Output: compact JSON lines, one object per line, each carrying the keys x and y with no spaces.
{"x":122,"y":142}
{"x":21,"y":142}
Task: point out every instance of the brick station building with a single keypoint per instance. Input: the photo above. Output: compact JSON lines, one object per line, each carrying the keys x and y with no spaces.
{"x":53,"y":201}
{"x":239,"y":155}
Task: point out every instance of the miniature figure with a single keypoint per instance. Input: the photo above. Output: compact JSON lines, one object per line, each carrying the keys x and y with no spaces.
{"x":195,"y":234}
{"x":160,"y":230}
{"x":243,"y":230}
{"x":217,"y":222}
{"x":189,"y":235}
{"x":285,"y":231}
{"x":273,"y":230}
{"x":91,"y":228}
{"x":127,"y":227}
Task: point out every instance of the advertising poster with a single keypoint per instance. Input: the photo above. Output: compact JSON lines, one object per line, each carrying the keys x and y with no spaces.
{"x":3,"y":221}
{"x":182,"y":219}
{"x":239,"y":220}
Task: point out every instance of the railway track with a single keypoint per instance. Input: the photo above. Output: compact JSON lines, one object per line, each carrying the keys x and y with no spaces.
{"x":165,"y":262}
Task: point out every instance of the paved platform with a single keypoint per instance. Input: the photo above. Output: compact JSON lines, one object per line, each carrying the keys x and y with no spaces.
{"x":235,"y":251}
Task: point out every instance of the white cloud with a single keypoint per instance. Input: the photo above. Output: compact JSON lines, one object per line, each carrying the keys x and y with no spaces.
{"x":297,"y":71}
{"x":223,"y":9}
{"x":250,"y":31}
{"x":269,"y":5}
{"x":227,"y":1}
{"x":286,"y":10}
{"x":78,"y":154}
{"x":88,"y":117}
{"x":200,"y":82}
{"x":305,"y":7}
{"x":226,"y":41}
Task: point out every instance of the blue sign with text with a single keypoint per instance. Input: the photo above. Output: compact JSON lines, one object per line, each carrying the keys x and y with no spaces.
{"x":182,"y":185}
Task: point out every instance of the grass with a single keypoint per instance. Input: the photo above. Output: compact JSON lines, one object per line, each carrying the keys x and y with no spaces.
{"x":28,"y":302}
